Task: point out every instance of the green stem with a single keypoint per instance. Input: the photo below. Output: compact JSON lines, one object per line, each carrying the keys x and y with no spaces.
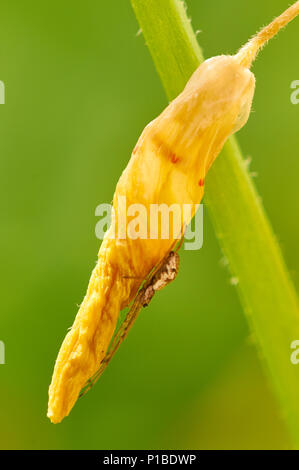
{"x":243,"y":230}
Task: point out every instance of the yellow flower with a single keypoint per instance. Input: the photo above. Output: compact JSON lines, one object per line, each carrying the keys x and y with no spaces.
{"x":168,"y":165}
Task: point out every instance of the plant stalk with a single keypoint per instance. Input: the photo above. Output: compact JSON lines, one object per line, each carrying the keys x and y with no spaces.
{"x":242,"y":227}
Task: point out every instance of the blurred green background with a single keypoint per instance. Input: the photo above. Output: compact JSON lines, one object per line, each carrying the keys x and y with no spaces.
{"x":80,"y":87}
